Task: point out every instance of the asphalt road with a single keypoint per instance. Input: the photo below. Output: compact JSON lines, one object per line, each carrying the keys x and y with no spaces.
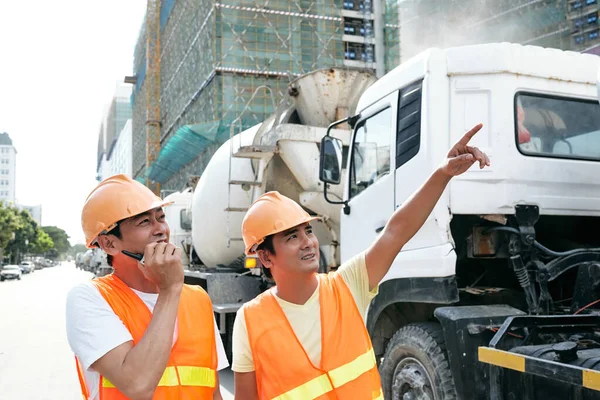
{"x":36,"y":362}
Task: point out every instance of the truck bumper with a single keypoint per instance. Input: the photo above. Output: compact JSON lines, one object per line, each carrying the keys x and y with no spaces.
{"x":531,"y":369}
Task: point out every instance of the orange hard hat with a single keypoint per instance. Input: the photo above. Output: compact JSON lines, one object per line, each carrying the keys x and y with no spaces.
{"x":271,"y":213}
{"x":114,"y":199}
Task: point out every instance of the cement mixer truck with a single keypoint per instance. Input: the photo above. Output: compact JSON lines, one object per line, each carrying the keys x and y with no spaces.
{"x":282,"y":153}
{"x":496,"y":295}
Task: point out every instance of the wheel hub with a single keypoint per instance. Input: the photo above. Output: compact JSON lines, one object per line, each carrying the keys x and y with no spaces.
{"x":411,"y":381}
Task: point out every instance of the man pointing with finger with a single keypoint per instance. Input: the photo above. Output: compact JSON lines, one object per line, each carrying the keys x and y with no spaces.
{"x":140,"y":333}
{"x":314,"y":344}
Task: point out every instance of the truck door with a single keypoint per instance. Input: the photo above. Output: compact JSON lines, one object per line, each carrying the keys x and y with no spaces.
{"x":370,"y":189}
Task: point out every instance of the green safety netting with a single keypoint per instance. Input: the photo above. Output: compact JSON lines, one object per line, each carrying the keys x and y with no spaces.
{"x":183,"y":147}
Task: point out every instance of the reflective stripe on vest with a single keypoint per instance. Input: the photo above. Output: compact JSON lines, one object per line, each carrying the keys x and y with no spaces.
{"x":347,"y":368}
{"x":191,"y":369}
{"x":333,"y":379}
{"x":189,"y":376}
{"x":310,"y":390}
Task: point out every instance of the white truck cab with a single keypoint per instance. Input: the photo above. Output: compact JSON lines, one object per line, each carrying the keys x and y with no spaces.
{"x":541,"y":131}
{"x":518,"y":235}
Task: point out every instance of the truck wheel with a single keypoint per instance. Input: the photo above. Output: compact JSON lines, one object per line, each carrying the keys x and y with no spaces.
{"x":415,"y":365}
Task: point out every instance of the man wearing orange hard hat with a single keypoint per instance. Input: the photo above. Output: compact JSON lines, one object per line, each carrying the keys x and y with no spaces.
{"x":140,"y":332}
{"x":305,"y":338}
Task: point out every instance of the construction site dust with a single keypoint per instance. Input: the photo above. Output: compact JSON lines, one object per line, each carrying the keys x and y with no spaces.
{"x":443,"y":24}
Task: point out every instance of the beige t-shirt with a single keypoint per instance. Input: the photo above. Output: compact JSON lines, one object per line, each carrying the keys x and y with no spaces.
{"x":305,"y":319}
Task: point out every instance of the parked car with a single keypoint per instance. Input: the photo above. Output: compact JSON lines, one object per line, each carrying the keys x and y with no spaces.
{"x":27,"y":267}
{"x":10,"y":272}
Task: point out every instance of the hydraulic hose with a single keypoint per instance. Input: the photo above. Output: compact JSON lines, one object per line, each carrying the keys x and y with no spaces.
{"x":538,"y":245}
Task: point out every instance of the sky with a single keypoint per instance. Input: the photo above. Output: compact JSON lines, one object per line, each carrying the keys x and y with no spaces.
{"x":60,"y":62}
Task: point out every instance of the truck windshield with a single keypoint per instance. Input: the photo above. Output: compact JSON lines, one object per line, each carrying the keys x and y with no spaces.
{"x":557,"y":127}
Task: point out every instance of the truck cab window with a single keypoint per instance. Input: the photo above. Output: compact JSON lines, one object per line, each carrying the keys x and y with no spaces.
{"x":557,"y":127}
{"x":371,"y":151}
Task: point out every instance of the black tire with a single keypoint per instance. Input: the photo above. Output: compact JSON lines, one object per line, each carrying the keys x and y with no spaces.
{"x":18,"y":278}
{"x":416,"y":362}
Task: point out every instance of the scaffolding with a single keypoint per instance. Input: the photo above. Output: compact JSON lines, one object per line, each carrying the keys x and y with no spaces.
{"x":214,"y":54}
{"x":391,"y":33}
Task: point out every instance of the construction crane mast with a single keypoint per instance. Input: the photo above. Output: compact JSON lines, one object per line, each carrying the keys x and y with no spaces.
{"x":153,"y":117}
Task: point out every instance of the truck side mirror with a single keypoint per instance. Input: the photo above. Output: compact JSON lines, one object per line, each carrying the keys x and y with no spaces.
{"x":186,"y":219}
{"x":330,"y":166}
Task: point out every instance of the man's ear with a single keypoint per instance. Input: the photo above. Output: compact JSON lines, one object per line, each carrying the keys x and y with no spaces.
{"x":109,"y":244}
{"x":265,"y":258}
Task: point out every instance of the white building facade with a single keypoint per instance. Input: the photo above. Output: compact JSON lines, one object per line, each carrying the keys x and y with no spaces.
{"x":8,"y":162}
{"x":119,"y":158}
{"x":115,"y":144}
{"x":121,"y":155}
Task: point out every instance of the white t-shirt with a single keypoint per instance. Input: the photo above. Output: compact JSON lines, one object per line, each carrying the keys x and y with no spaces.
{"x":93,"y":329}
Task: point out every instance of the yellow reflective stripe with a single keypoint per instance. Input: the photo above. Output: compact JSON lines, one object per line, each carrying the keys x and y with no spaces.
{"x":338,"y":376}
{"x":353,"y":369}
{"x":197,"y":376}
{"x":190,"y":376}
{"x":106,"y":383}
{"x":591,"y":379}
{"x":502,"y":358}
{"x":309,"y":390}
{"x":169,"y":377}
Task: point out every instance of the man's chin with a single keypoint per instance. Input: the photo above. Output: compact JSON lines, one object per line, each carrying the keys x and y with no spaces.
{"x":312,"y":266}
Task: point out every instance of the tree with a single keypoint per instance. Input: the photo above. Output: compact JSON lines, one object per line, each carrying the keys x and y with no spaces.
{"x":8,"y":224}
{"x":59,"y":238}
{"x":27,"y":237}
{"x":20,"y":234}
{"x":42,"y":244}
{"x":52,"y":253}
{"x":25,"y":233}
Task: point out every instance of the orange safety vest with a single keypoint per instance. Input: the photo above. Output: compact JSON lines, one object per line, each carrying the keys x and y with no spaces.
{"x":191,"y":369}
{"x":348,"y":368}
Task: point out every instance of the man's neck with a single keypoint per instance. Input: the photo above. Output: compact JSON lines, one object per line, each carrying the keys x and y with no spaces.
{"x":129,"y":272}
{"x":297,"y":289}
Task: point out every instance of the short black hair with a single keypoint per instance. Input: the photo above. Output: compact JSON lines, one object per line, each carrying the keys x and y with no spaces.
{"x":116,"y":231}
{"x":267,"y":245}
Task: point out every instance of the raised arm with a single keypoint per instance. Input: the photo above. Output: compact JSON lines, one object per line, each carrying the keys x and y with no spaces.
{"x":408,"y":219}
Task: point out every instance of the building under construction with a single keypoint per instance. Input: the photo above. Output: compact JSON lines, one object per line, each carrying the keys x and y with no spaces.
{"x":214,"y":55}
{"x":208,"y":58}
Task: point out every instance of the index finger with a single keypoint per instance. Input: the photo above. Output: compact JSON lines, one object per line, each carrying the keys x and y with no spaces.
{"x":467,"y":136}
{"x":150,"y":249}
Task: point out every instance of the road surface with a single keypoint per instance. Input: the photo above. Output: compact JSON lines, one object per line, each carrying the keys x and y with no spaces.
{"x":36,"y":362}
